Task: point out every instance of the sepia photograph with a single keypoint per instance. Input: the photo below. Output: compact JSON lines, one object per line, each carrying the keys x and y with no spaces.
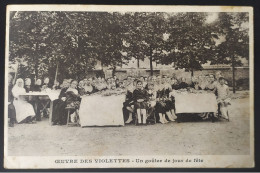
{"x":91,"y":86}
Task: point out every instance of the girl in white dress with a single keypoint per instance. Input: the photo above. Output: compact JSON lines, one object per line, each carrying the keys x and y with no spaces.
{"x":24,"y":110}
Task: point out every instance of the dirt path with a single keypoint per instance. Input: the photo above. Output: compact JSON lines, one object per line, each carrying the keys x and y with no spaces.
{"x":187,"y":138}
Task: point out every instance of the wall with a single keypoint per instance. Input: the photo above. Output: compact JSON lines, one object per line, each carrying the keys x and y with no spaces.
{"x":241,"y":74}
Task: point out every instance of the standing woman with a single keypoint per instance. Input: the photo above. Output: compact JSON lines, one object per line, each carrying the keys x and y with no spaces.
{"x":24,"y":110}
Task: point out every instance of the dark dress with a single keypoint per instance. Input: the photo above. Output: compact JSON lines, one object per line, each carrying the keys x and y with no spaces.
{"x":160,"y":105}
{"x":165,"y":104}
{"x":175,"y":87}
{"x":37,"y":88}
{"x":48,"y":85}
{"x":140,"y":94}
{"x":59,"y":112}
{"x":169,"y":104}
{"x":28,"y":88}
{"x":11,"y":108}
{"x":211,"y":87}
{"x":94,"y":89}
{"x":183,"y":85}
{"x":56,"y":87}
{"x":128,"y":102}
{"x":72,"y":100}
{"x":81,"y":91}
{"x":129,"y":99}
{"x":39,"y":101}
{"x":150,"y":110}
{"x":117,"y":85}
{"x":193,"y":85}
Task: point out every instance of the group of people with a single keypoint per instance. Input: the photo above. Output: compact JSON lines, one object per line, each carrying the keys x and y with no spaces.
{"x":20,"y":109}
{"x":146,"y":97}
{"x":151,"y":99}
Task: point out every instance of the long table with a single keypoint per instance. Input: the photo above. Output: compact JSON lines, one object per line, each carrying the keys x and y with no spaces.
{"x":97,"y":110}
{"x":52,"y":95}
{"x":195,"y":102}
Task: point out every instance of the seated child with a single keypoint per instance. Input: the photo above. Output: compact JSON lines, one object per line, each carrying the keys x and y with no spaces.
{"x":140,"y":97}
{"x":152,"y":94}
{"x":223,"y":97}
{"x":160,"y":105}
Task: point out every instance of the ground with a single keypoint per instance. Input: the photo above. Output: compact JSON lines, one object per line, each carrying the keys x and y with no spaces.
{"x":186,"y":138}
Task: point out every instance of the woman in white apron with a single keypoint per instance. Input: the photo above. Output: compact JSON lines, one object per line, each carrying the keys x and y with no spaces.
{"x":24,"y":110}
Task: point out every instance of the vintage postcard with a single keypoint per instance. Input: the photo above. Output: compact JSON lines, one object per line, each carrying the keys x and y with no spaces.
{"x":114,"y":86}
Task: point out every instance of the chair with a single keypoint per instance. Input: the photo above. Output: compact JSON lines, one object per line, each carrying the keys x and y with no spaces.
{"x":151,"y":118}
{"x":69,"y":109}
{"x":219,"y":113}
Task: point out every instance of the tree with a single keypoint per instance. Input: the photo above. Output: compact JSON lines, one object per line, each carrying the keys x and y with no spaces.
{"x":27,"y":37}
{"x":45,"y":39}
{"x":36,"y":38}
{"x":145,"y":35}
{"x":234,"y":28}
{"x":76,"y":41}
{"x":111,"y":33}
{"x":190,"y":42}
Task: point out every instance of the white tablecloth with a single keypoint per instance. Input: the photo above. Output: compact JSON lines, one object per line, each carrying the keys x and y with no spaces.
{"x":195,"y":103}
{"x":53,"y":95}
{"x":99,"y":110}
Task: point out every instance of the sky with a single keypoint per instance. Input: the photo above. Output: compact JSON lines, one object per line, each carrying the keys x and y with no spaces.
{"x":212,"y":17}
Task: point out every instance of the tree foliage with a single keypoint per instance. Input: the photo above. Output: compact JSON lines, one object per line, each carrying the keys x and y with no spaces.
{"x":76,"y":41}
{"x":234,"y":28}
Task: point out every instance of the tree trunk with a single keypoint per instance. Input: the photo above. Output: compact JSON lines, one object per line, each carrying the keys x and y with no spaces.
{"x":114,"y":71}
{"x":138,"y":63}
{"x":36,"y":61}
{"x":233,"y":76}
{"x":56,"y":73}
{"x":192,"y":72}
{"x":151,"y":61}
{"x":36,"y":69}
